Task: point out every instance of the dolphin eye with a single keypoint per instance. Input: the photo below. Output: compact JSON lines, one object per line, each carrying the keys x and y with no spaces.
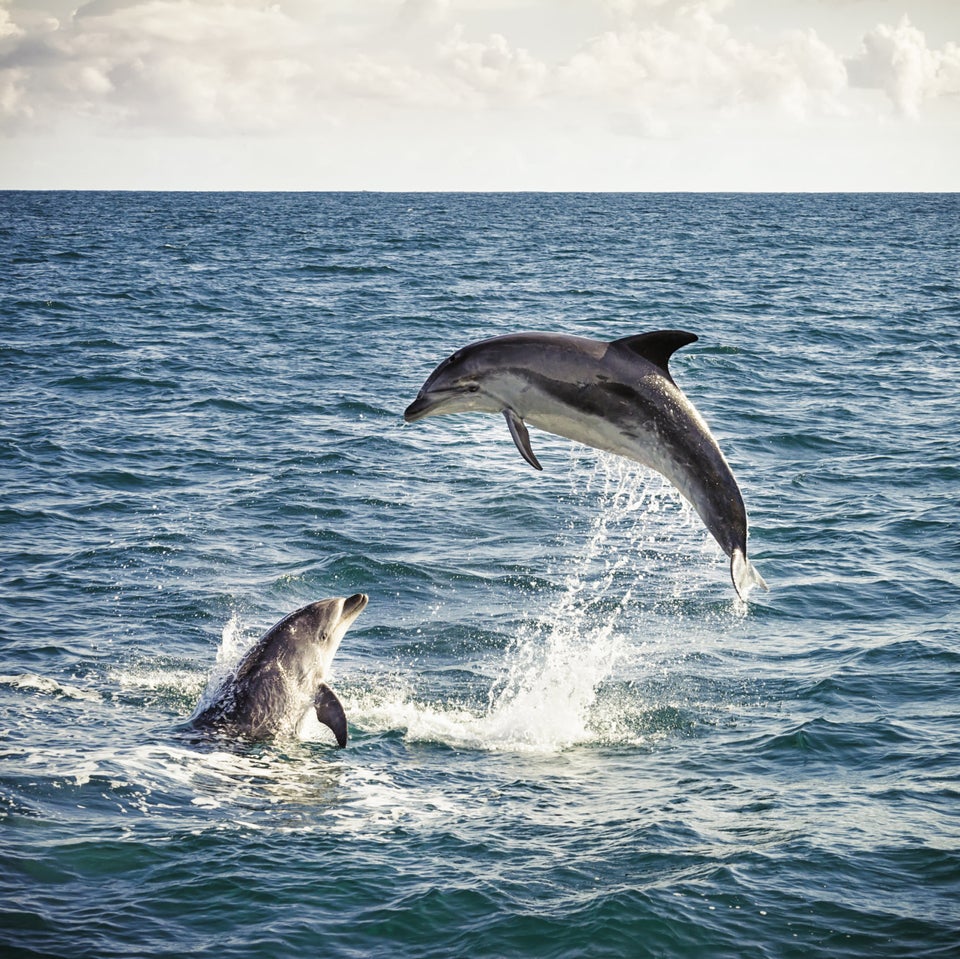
{"x":473,"y":388}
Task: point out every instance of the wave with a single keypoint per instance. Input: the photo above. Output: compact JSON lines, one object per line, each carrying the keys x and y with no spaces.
{"x":49,"y":686}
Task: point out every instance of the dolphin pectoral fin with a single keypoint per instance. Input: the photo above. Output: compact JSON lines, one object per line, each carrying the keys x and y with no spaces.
{"x":330,"y":713}
{"x":744,"y":574}
{"x":518,"y":430}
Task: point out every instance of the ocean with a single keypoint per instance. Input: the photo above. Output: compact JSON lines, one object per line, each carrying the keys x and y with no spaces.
{"x":568,"y":736}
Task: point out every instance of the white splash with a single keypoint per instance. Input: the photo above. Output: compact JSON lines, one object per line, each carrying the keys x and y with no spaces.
{"x":553,"y":670}
{"x":44,"y":684}
{"x":233,"y":644}
{"x":545,"y":699}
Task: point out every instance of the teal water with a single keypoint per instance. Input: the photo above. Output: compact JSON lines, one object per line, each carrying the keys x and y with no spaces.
{"x":567,"y":736}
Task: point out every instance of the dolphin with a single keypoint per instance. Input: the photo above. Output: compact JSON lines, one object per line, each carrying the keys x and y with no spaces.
{"x":281,"y":677}
{"x":617,"y":396}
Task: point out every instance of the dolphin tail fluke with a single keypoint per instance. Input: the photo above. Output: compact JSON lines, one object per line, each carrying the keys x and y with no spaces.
{"x":744,"y":574}
{"x":330,"y":713}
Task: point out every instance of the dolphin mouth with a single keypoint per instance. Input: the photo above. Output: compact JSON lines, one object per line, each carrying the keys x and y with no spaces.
{"x":354,"y":605}
{"x":420,"y":407}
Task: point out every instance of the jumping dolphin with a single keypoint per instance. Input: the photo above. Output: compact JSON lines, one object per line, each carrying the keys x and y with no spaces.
{"x":281,"y":677}
{"x":618,"y":397}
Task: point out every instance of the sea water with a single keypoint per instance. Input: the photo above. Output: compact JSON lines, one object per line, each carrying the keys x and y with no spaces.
{"x":568,"y":738}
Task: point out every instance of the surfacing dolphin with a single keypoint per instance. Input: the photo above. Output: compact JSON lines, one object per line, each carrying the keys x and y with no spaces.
{"x":618,"y":397}
{"x":281,"y":677}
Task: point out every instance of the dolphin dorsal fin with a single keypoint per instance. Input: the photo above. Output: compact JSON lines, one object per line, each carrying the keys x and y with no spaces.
{"x":657,"y":347}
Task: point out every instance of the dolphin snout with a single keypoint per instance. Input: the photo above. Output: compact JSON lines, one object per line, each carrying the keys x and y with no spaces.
{"x":353,"y":605}
{"x":418,"y":409}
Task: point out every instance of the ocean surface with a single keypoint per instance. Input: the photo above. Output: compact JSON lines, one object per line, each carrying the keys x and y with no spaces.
{"x":568,"y":737}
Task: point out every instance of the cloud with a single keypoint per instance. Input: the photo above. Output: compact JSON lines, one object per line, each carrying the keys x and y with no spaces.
{"x":493,"y":66}
{"x":212,"y":67}
{"x":417,"y":12}
{"x":160,"y":63}
{"x":693,"y":63}
{"x":898,"y":61}
{"x":7,"y":27}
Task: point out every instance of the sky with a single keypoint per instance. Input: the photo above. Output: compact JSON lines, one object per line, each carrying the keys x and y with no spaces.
{"x":636,"y":95}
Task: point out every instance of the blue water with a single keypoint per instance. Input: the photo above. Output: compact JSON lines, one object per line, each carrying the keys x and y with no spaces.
{"x":568,"y":738}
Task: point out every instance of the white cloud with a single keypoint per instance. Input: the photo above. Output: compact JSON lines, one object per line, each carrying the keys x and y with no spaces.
{"x":213,"y":66}
{"x":493,"y":66}
{"x":693,"y":64}
{"x":13,"y":102}
{"x":589,"y":83}
{"x":898,"y":61}
{"x":7,"y":27}
{"x":418,"y":12}
{"x":180,"y":64}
